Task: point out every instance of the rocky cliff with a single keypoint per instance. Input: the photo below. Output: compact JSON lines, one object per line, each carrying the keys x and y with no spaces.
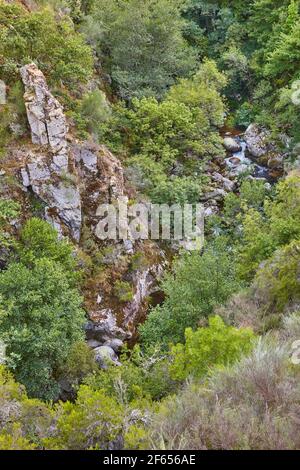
{"x":67,"y":179}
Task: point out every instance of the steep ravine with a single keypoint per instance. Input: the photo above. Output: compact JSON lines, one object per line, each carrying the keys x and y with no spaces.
{"x":71,"y":178}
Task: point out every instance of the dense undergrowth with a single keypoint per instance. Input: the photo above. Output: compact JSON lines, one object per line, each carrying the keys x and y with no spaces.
{"x":212,"y":368}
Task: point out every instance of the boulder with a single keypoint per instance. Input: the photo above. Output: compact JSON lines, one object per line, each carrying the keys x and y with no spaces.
{"x":225,"y":183}
{"x":231,"y":145}
{"x":209,"y":211}
{"x":93,"y":344}
{"x":256,"y":139}
{"x":106,"y":356}
{"x":218,"y":195}
{"x":115,"y":344}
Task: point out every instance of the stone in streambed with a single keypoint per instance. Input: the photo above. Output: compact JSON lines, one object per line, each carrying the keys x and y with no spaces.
{"x":231,"y":145}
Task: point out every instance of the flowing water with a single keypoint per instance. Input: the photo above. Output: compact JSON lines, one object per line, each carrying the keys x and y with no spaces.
{"x":239,"y":163}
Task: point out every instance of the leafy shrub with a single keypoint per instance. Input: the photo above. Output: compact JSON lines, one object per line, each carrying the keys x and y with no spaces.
{"x":277,"y":226}
{"x":79,"y":363}
{"x":94,"y":421}
{"x":123,"y":291}
{"x":142,"y":377}
{"x":198,"y":284}
{"x":277,"y":282}
{"x":95,"y":109}
{"x":23,"y":421}
{"x":14,"y":440}
{"x":209,"y":347}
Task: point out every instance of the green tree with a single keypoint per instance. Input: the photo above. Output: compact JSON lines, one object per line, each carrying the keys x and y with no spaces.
{"x":40,"y":321}
{"x":167,"y":143}
{"x":48,"y":40}
{"x":276,"y":282}
{"x":198,"y":284}
{"x":38,"y":239}
{"x":277,"y":226}
{"x":141,"y":44}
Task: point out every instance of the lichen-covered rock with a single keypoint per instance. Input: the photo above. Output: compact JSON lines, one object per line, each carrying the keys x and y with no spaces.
{"x":225,"y":183}
{"x":115,"y":344}
{"x":46,"y":169}
{"x":60,"y":196}
{"x":218,"y":194}
{"x":263,"y":150}
{"x":144,"y":281}
{"x":45,"y":114}
{"x":256,"y":139}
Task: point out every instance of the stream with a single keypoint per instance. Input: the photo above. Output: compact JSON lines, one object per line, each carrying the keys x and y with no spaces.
{"x":239,"y":163}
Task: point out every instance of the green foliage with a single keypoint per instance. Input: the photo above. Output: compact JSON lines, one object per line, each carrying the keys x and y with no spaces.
{"x":252,"y":195}
{"x":42,"y":37}
{"x":198,"y":284}
{"x":95,"y":109}
{"x":123,"y":291}
{"x":278,"y":226}
{"x":283,"y":61}
{"x":167,"y":143}
{"x":14,"y":440}
{"x":23,"y":421}
{"x":92,"y":422}
{"x":13,"y":115}
{"x":9,"y":210}
{"x":277,"y":282}
{"x":214,"y":346}
{"x":141,"y":378}
{"x":42,"y":318}
{"x":201,"y":94}
{"x":38,"y":239}
{"x":141,"y":54}
{"x":238,"y":407}
{"x":79,"y":363}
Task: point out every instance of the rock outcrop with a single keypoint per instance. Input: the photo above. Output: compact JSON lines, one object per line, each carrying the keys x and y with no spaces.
{"x":59,"y":195}
{"x":144,"y":282}
{"x":45,"y":115}
{"x":46,"y":167}
{"x":103,"y":327}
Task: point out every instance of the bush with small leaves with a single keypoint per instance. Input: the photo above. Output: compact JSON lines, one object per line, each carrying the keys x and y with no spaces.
{"x":206,"y":348}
